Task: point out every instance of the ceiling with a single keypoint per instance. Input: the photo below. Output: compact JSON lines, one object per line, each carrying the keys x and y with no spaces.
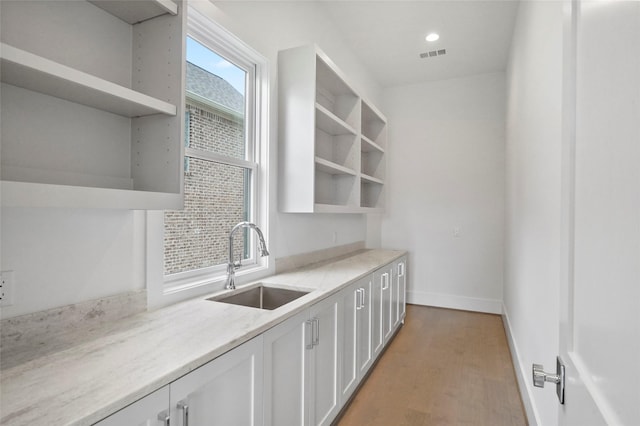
{"x":389,"y":36}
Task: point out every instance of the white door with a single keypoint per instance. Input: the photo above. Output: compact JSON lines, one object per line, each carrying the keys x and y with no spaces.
{"x":225,"y":391}
{"x":600,"y":297}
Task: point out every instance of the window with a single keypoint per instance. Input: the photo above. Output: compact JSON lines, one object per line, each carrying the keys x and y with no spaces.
{"x":225,"y":160}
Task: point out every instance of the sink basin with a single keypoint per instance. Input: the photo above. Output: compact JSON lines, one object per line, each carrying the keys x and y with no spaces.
{"x":260,"y":296}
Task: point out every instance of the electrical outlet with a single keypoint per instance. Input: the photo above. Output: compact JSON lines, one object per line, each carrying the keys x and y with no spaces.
{"x":6,"y":288}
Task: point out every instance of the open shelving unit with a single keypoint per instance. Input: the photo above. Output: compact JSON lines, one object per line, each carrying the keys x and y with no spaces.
{"x":92,"y":103}
{"x":332,"y":140}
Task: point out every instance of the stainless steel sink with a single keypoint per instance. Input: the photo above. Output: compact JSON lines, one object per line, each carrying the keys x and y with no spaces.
{"x":260,"y":296}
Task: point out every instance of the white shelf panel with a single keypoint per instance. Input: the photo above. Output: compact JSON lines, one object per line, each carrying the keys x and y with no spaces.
{"x":330,"y":123}
{"x":371,"y":179}
{"x":33,"y":72}
{"x":25,"y":194}
{"x":136,"y":11}
{"x":370,"y":146}
{"x":332,"y":168}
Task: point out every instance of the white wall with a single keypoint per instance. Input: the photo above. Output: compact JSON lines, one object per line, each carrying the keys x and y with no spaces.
{"x":532,"y":269}
{"x":445,"y":171}
{"x":62,"y":256}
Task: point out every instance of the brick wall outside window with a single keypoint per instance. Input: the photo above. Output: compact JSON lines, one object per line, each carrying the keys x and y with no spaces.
{"x":197,"y":236}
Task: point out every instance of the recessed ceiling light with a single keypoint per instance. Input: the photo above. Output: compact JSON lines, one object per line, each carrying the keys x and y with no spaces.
{"x":432,"y":37}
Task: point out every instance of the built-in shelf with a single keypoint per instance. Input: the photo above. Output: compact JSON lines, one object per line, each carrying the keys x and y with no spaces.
{"x":27,"y":194}
{"x":136,"y":11}
{"x":369,"y":146}
{"x":331,"y":168}
{"x":334,"y":129}
{"x":330,"y":123}
{"x":371,"y":179}
{"x":373,"y":125}
{"x":33,"y":72}
{"x":92,"y":104}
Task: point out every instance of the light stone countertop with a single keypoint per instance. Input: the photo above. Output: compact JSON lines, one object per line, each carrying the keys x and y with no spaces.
{"x":91,"y":379}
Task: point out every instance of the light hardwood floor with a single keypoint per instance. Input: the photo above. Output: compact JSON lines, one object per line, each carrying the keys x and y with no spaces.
{"x":444,"y":367}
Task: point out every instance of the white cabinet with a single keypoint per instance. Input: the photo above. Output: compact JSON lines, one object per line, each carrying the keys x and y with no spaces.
{"x":300,"y":372}
{"x":382,"y":297}
{"x":301,"y":368}
{"x":92,"y":103}
{"x":399,"y":291}
{"x":152,"y":410}
{"x":225,"y":391}
{"x":332,"y":140}
{"x":356,"y":335}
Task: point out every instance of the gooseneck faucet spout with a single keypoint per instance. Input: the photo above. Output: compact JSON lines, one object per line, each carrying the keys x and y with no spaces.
{"x":232,"y":266}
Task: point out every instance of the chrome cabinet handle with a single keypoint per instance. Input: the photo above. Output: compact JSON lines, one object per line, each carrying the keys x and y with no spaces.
{"x":164,"y":417}
{"x":358,"y":299}
{"x":362,"y":298}
{"x":182,"y":405}
{"x":401,"y":269}
{"x":316,"y":331}
{"x":385,"y":281}
{"x":308,"y":334}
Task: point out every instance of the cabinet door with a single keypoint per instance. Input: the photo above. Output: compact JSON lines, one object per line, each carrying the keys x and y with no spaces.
{"x":350,"y":309}
{"x":376,"y":313}
{"x":364,"y":327}
{"x":152,"y":410}
{"x":226,"y":391}
{"x":287,"y":348}
{"x":387,"y":302}
{"x":395,"y":296}
{"x":402,"y":287}
{"x":323,"y":397}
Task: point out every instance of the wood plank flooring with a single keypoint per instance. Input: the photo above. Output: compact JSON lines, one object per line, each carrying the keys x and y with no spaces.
{"x":444,"y":367}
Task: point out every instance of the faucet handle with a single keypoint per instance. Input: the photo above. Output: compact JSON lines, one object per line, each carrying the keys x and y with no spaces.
{"x":237,"y":264}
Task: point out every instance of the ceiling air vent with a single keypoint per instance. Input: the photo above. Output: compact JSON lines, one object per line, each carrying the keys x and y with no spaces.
{"x":433,"y":53}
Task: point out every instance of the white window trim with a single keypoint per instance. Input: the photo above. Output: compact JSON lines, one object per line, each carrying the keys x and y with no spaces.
{"x":164,"y":290}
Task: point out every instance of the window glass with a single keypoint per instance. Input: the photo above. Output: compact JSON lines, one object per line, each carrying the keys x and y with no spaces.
{"x":215,"y":93}
{"x":219,"y":176}
{"x":216,"y":198}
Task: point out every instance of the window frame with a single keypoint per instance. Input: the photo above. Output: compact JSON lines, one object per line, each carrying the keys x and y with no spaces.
{"x":166,"y":289}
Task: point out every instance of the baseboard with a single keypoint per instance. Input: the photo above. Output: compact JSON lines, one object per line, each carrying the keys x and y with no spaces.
{"x":522,"y":374}
{"x":489,"y":306}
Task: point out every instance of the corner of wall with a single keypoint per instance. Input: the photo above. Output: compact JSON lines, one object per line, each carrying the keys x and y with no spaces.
{"x":521,"y":373}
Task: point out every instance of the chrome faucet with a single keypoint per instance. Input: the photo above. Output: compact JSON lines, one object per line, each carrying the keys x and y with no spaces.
{"x":232,"y":266}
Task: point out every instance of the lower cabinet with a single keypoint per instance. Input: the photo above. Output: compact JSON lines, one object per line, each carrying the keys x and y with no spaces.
{"x":152,"y":410}
{"x":225,"y":391}
{"x":299,"y":373}
{"x":382,"y":330}
{"x":399,"y":290}
{"x":301,"y":368}
{"x":355,"y":335}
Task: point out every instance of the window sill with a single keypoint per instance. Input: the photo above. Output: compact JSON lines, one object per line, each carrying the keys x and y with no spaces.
{"x":179,"y":289}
